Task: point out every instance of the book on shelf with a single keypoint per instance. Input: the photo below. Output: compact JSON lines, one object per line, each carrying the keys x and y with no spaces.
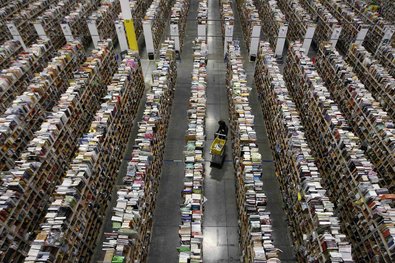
{"x":347,"y":175}
{"x":256,"y":240}
{"x":8,"y":52}
{"x":311,"y":214}
{"x":132,"y":215}
{"x":82,"y":197}
{"x":42,"y":165}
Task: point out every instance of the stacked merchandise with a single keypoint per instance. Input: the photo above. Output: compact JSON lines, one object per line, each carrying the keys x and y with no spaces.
{"x":8,"y":52}
{"x":299,"y":20}
{"x":364,"y":114}
{"x":272,"y":19}
{"x":326,"y":22}
{"x":364,"y":208}
{"x":249,"y":17}
{"x":388,"y":10}
{"x":227,"y":17}
{"x":386,"y":56}
{"x":157,"y":15}
{"x":27,"y":188}
{"x":50,"y":21}
{"x":15,"y":79}
{"x":74,"y":217}
{"x":7,"y":11}
{"x":369,"y":12}
{"x":104,"y":17}
{"x":27,"y":111}
{"x":23,"y":19}
{"x":351,"y":22}
{"x":255,"y":226}
{"x":202,"y":15}
{"x":178,"y":16}
{"x":76,"y":20}
{"x":132,"y":216}
{"x":315,"y":227}
{"x":374,"y":76}
{"x":191,"y":228}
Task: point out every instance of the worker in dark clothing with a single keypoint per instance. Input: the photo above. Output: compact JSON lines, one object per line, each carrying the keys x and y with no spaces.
{"x":222,"y":129}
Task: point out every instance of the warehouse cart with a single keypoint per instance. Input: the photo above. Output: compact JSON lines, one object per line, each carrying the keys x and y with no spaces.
{"x":217,"y":150}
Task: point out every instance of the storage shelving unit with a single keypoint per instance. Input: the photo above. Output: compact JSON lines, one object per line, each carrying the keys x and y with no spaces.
{"x":191,"y":228}
{"x":374,"y":76}
{"x":311,"y":214}
{"x":386,"y":56}
{"x":364,"y":114}
{"x":72,"y":220}
{"x":15,"y":79}
{"x":132,"y":217}
{"x":354,"y":29}
{"x":27,"y":111}
{"x":255,"y":226}
{"x":178,"y":16}
{"x":365,"y":209}
{"x":7,"y":11}
{"x":26,"y":189}
{"x":275,"y":25}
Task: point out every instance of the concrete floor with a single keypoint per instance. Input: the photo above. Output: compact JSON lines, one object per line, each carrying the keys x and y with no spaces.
{"x":220,"y":225}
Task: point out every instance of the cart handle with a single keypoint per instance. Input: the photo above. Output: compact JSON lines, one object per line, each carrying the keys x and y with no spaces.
{"x":220,"y":134}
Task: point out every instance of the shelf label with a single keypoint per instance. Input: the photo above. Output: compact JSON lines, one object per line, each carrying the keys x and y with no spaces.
{"x":94,"y":32}
{"x":15,"y":33}
{"x":308,"y":38}
{"x":131,"y":34}
{"x":175,"y":35}
{"x":335,"y":35}
{"x":149,"y":41}
{"x":254,"y":43}
{"x":361,"y":34}
{"x":40,"y":30}
{"x":228,"y":36}
{"x":67,"y":32}
{"x":123,"y":43}
{"x":282,"y":35}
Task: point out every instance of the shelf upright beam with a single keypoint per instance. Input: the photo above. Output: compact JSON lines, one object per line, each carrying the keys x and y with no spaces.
{"x":361,"y":34}
{"x":128,"y":25}
{"x":282,"y":36}
{"x":149,"y":40}
{"x":202,"y":31}
{"x":254,"y":43}
{"x":40,"y":30}
{"x":15,"y":33}
{"x":388,"y":33}
{"x":308,"y":38}
{"x":94,"y":32}
{"x":68,"y":34}
{"x":337,"y":29}
{"x":120,"y":29}
{"x":175,"y":35}
{"x":228,"y":36}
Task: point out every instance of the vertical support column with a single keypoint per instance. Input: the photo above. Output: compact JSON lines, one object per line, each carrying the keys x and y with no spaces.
{"x":40,"y":30}
{"x":202,"y":31}
{"x":15,"y":33}
{"x":123,"y":43}
{"x":94,"y":32}
{"x":337,"y":29}
{"x":67,"y":32}
{"x":308,"y":38}
{"x":175,"y":35}
{"x":254,"y":43}
{"x":388,"y":33}
{"x":228,"y":36}
{"x":282,"y":35}
{"x":149,"y":41}
{"x":129,"y":25}
{"x":361,"y":34}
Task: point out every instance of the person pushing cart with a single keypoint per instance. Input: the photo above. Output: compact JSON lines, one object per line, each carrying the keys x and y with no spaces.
{"x":217,"y":148}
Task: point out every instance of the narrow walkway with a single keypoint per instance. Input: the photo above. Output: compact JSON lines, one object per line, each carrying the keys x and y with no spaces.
{"x":167,"y":217}
{"x":220,"y":227}
{"x":281,"y":234}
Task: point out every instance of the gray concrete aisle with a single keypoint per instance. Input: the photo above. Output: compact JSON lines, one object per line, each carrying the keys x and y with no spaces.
{"x":220,"y":226}
{"x":167,"y":217}
{"x":281,"y":234}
